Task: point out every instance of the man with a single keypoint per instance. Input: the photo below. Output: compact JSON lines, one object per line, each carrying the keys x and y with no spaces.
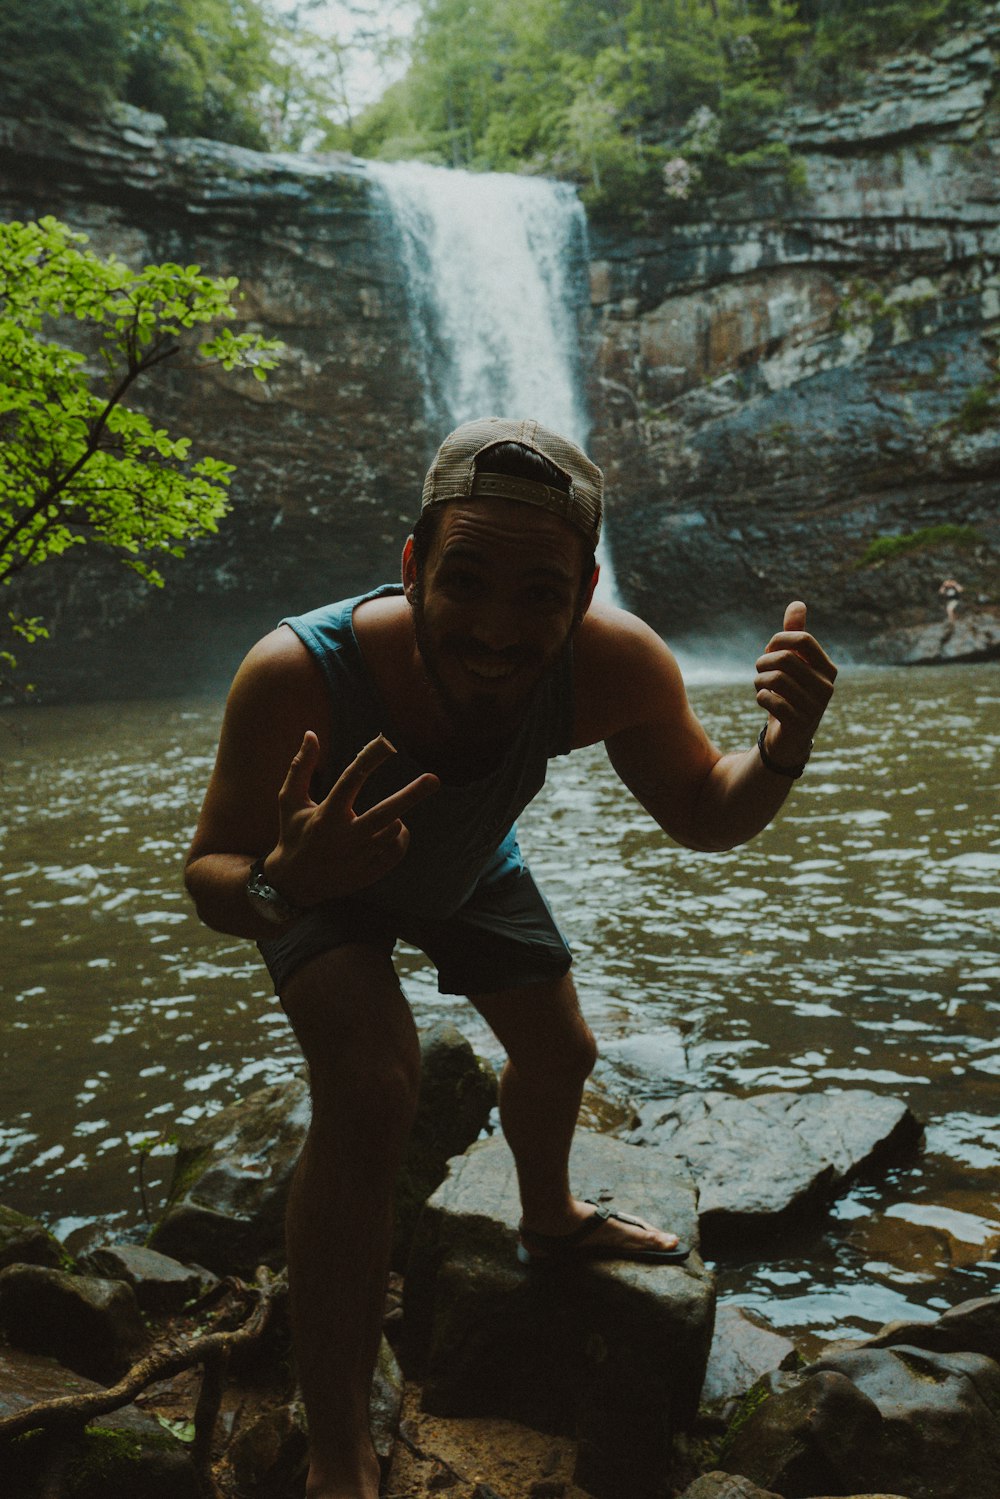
{"x":325,"y":841}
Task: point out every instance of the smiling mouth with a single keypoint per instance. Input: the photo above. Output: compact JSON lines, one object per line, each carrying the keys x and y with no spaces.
{"x":490,"y":671}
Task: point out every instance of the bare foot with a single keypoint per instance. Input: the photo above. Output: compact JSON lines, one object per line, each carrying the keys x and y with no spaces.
{"x":607,"y":1234}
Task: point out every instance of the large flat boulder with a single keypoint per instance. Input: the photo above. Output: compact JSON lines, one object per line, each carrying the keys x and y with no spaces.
{"x":974,"y":636}
{"x":775,"y":1159}
{"x":612,"y":1353}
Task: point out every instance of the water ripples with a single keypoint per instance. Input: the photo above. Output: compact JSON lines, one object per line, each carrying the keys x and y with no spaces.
{"x":856,"y":943}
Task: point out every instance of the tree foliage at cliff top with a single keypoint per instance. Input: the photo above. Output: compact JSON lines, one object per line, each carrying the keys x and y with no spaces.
{"x":78,"y":465}
{"x":639,"y":100}
{"x":251,"y":72}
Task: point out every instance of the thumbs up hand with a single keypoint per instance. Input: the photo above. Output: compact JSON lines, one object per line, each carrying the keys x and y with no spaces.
{"x":794,"y":683}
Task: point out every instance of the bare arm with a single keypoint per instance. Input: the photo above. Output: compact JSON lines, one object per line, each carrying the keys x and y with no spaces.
{"x":275,"y":734}
{"x":704,"y":799}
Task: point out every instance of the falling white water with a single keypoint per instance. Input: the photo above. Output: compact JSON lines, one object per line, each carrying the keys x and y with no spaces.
{"x":494,"y":265}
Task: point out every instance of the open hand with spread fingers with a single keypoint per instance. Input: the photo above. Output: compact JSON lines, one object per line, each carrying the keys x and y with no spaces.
{"x":325,"y":849}
{"x":794,"y":683}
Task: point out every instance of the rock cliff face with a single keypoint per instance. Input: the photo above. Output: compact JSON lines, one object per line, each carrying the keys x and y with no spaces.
{"x":330,"y":452}
{"x":791,"y":373}
{"x":776,"y":379}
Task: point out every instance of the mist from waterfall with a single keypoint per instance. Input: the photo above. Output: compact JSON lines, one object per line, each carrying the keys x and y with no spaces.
{"x":495,"y":269}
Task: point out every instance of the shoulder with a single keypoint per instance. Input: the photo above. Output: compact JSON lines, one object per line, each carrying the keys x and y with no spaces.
{"x":621,"y":667}
{"x":278,"y":681}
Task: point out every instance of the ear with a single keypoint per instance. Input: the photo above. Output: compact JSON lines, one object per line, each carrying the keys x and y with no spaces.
{"x":587,"y":598}
{"x":409,"y":570}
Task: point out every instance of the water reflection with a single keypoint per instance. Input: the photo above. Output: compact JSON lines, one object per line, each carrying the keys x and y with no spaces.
{"x":854,"y":944}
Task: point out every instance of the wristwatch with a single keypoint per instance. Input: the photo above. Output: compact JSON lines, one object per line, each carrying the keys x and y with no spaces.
{"x":265,"y":899}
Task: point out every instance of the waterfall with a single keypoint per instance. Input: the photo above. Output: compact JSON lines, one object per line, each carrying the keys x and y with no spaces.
{"x":495,"y":268}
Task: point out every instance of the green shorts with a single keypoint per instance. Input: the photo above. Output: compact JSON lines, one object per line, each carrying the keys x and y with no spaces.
{"x":502,"y":938}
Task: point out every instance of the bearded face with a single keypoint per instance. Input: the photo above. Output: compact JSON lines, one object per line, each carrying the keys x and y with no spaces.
{"x":493,"y":609}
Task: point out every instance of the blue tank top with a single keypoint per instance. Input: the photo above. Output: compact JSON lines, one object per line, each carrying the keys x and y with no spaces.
{"x":463,"y":832}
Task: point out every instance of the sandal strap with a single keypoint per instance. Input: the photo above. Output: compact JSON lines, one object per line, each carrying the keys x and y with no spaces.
{"x":625,"y":1218}
{"x":532,"y":1239}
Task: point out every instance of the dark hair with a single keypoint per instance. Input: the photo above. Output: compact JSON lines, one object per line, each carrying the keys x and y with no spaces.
{"x":521,"y":463}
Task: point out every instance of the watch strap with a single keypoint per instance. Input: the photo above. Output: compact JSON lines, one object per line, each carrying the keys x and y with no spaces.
{"x":265,"y":899}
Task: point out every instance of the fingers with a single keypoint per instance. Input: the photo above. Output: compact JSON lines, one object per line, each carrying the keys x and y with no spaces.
{"x":381,"y":853}
{"x":795,"y":616}
{"x":789,"y":646}
{"x":399,"y":803}
{"x":345,"y":790}
{"x":795,"y":676}
{"x":353,"y":777}
{"x":295,"y":788}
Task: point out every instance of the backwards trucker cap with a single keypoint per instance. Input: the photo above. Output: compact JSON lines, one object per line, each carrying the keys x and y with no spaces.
{"x":461,"y":471}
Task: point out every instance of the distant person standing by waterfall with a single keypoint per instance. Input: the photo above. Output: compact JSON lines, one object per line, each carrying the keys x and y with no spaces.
{"x":951,"y":592}
{"x":324,"y":842}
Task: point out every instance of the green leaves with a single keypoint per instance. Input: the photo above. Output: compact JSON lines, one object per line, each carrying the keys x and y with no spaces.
{"x":78,"y":463}
{"x":611,"y":92}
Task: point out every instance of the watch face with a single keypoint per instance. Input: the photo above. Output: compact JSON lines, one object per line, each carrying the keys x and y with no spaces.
{"x":266,"y":901}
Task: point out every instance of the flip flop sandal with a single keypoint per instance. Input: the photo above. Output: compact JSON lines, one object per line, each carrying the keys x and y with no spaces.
{"x":555,"y":1249}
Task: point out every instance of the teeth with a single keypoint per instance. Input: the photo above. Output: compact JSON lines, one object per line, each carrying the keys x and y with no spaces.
{"x":490,"y":669}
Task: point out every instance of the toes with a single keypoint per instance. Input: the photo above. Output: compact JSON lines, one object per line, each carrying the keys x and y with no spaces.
{"x":643,"y":1233}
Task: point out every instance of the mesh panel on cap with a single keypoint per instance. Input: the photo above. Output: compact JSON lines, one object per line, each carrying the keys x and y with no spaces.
{"x":451,"y":475}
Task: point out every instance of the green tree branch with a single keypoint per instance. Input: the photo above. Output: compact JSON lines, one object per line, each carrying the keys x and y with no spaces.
{"x":77,"y":463}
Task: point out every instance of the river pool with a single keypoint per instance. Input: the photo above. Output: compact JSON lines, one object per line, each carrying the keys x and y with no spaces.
{"x":856,"y":943}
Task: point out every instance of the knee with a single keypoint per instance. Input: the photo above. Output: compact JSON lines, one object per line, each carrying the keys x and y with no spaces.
{"x":359,"y":1041}
{"x":569,"y":1063}
{"x":374,"y":1084}
{"x":581,"y":1054}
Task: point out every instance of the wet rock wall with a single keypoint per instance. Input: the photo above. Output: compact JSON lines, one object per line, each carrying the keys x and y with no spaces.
{"x":775,"y":380}
{"x":330,"y":452}
{"x":784,"y":376}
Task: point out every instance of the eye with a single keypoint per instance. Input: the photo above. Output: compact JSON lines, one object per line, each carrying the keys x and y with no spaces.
{"x":545,"y":596}
{"x":459,"y":583}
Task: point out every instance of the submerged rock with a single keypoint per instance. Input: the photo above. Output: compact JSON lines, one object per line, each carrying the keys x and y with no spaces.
{"x":91,"y":1325}
{"x":765,"y":1162}
{"x":612,"y":1353}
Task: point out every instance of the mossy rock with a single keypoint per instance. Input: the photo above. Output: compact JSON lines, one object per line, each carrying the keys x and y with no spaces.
{"x":122,"y":1455}
{"x":25,"y":1241}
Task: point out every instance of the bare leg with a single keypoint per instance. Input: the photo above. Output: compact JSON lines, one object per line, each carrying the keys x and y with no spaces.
{"x":551,"y":1052}
{"x":358,"y":1037}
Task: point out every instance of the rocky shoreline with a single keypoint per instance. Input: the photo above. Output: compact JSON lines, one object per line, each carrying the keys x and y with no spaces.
{"x":494,"y":1382}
